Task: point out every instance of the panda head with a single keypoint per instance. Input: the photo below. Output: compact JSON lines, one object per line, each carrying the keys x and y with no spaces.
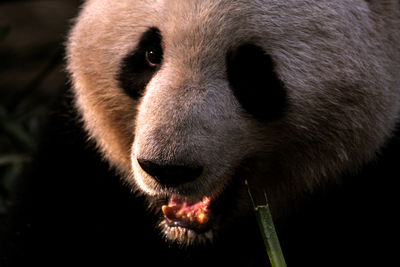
{"x":189,"y":98}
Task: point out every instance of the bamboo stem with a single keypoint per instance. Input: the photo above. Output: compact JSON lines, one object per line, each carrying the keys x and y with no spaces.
{"x":268,"y":232}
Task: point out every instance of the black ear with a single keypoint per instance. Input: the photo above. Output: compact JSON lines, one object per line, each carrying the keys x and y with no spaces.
{"x":135,"y":70}
{"x":251,"y":75}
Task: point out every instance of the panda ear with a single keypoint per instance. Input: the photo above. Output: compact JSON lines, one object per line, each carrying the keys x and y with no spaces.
{"x":251,"y":75}
{"x":139,"y":66}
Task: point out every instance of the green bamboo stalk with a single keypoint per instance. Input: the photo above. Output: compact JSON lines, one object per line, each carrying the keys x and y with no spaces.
{"x":268,"y":232}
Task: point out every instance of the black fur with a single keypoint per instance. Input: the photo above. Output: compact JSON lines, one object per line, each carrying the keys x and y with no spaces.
{"x":136,"y":70}
{"x":255,"y":84}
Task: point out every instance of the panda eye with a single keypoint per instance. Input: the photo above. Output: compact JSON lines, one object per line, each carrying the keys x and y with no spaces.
{"x":153,"y":57}
{"x":139,"y":66}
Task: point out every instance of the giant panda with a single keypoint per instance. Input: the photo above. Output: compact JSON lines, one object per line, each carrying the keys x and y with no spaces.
{"x":188,"y":99}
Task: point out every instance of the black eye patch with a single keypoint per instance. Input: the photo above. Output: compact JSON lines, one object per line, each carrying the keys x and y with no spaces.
{"x":139,"y":66}
{"x":251,"y":75}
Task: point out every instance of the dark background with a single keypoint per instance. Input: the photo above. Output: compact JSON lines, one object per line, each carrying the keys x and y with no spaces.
{"x":32,"y":36}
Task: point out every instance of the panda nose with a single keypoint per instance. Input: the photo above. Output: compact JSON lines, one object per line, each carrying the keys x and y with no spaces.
{"x":170,"y":175}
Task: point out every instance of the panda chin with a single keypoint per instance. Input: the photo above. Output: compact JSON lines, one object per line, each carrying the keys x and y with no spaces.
{"x":185,"y":236}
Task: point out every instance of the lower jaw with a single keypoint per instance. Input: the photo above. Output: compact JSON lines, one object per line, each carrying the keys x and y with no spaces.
{"x":186,"y":236}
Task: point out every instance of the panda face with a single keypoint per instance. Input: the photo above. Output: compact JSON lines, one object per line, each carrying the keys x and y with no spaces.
{"x":189,"y":98}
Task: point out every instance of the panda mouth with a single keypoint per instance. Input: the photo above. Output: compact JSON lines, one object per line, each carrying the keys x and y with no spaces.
{"x":189,"y":222}
{"x":184,"y":213}
{"x":200,"y":221}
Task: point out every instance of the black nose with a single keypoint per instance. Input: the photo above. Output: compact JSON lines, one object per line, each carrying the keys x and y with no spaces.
{"x":170,"y":175}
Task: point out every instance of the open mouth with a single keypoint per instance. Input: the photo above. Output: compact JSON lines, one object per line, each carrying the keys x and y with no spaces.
{"x":190,"y":221}
{"x":187,"y":221}
{"x":199,"y":221}
{"x":188,"y":214}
